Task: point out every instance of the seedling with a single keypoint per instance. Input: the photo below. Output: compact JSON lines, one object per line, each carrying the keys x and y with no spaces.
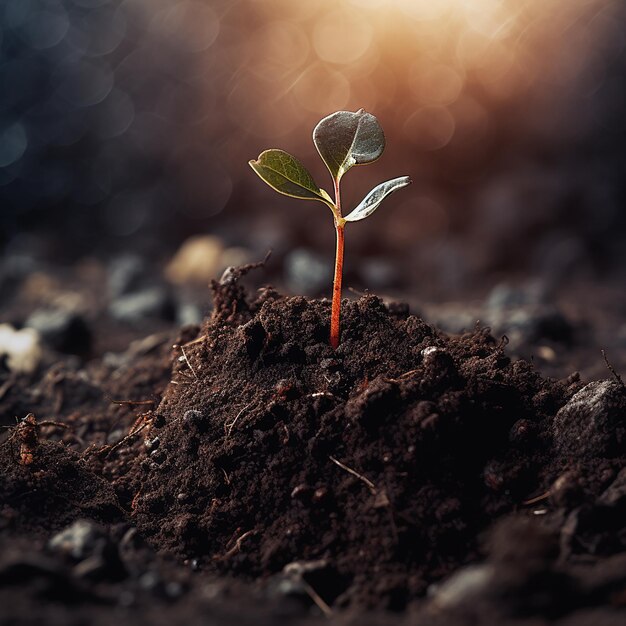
{"x":343,"y":139}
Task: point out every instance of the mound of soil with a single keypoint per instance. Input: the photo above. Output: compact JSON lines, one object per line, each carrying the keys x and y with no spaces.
{"x":374,"y":468}
{"x":251,"y":474}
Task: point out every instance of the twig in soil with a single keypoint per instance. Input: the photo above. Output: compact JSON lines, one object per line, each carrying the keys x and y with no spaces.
{"x":125,"y":439}
{"x":233,"y":537}
{"x":229,"y":427}
{"x":236,"y":548}
{"x":135,"y":501}
{"x":504,"y":341}
{"x":296,"y":572}
{"x":612,"y":369}
{"x":319,"y":602}
{"x":187,"y":361}
{"x":232,"y":274}
{"x":226,"y":476}
{"x":539,"y":498}
{"x":370,"y":485}
{"x":26,"y":431}
{"x":143,"y":421}
{"x":132,"y":402}
{"x":186,"y":379}
{"x":402,"y":376}
{"x":407,"y":374}
{"x":194,"y":341}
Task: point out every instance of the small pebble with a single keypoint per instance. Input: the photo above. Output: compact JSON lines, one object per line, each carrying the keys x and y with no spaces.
{"x":307,"y":272}
{"x":151,"y":303}
{"x":79,"y":540}
{"x":21,"y":347}
{"x":64,"y":331}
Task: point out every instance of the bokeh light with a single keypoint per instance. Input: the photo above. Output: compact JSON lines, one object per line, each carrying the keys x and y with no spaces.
{"x":103,"y":102}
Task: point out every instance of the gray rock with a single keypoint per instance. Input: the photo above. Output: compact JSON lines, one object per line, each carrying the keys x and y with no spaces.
{"x":126,"y":274}
{"x":505,"y":296}
{"x":291,"y":585}
{"x":79,"y":541}
{"x":307,"y":272}
{"x":115,"y":436}
{"x":89,"y":550}
{"x":281,"y":586}
{"x":463,"y":586}
{"x":525,"y":315}
{"x":188,"y":313}
{"x":192,"y":416}
{"x":379,"y":273}
{"x":152,"y":303}
{"x":592,"y":422}
{"x":64,"y":331}
{"x":530,"y":324}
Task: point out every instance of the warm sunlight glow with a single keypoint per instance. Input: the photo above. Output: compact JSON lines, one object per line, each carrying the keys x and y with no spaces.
{"x":427,"y":59}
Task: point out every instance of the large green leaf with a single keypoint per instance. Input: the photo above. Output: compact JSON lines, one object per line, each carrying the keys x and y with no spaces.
{"x":344,"y":139}
{"x":284,"y":173}
{"x":374,"y":198}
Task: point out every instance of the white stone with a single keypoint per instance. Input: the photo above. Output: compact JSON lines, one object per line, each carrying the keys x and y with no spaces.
{"x":21,"y":347}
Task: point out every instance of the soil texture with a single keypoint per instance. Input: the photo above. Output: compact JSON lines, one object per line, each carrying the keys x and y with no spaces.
{"x":245,"y":470}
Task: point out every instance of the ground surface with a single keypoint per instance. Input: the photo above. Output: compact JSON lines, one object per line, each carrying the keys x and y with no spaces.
{"x":252,"y":474}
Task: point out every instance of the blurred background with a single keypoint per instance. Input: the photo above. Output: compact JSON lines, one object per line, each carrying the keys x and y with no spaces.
{"x":126,"y":127}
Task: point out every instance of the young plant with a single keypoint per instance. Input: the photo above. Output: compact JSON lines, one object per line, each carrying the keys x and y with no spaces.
{"x":343,"y":139}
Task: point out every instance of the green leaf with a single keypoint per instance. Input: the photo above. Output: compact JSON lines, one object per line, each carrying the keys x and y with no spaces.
{"x":288,"y":176}
{"x":344,"y":139}
{"x":374,"y":198}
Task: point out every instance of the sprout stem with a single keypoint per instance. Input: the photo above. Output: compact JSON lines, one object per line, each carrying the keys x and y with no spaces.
{"x":336,"y":305}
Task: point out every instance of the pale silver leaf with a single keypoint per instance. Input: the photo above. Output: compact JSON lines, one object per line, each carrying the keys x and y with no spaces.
{"x":374,"y":198}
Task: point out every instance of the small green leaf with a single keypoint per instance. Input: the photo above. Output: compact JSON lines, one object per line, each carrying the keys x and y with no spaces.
{"x":344,"y":139}
{"x":288,"y":176}
{"x":373,"y":199}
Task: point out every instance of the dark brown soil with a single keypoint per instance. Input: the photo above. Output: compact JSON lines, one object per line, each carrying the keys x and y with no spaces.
{"x":386,"y":459}
{"x":408,"y":470}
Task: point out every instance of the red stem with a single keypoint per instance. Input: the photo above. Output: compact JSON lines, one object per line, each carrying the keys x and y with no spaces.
{"x":336,"y":305}
{"x":336,"y":308}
